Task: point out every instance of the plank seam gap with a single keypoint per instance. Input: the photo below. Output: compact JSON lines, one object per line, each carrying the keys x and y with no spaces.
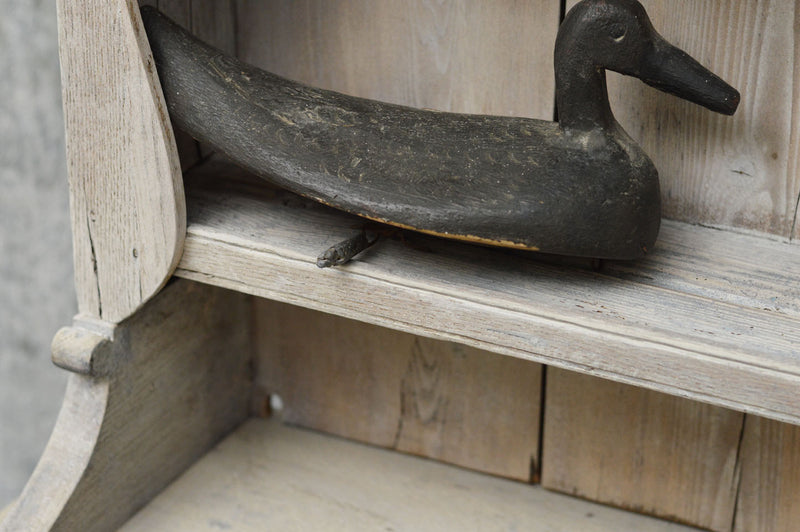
{"x":737,"y":471}
{"x":94,"y":265}
{"x":536,"y":469}
{"x":562,"y":12}
{"x":792,"y":115}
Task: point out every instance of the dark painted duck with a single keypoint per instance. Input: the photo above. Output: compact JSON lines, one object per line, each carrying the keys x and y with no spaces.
{"x":578,"y":187}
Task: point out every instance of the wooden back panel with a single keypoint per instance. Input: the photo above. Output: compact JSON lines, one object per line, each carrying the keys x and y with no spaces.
{"x":437,"y":399}
{"x":477,"y":57}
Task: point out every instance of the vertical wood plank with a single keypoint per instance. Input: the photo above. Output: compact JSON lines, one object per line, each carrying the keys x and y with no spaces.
{"x":126,"y":188}
{"x":178,"y":10}
{"x":437,"y":399}
{"x":477,"y":57}
{"x":641,"y":450}
{"x":214,"y":21}
{"x":770,"y":488}
{"x":739,"y":171}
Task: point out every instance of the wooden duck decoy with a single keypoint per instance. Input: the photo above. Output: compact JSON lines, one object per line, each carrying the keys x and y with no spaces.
{"x":579,"y":187}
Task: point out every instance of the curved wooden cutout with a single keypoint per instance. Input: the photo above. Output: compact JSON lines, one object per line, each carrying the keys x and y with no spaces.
{"x":66,"y":457}
{"x":182,"y":382}
{"x":126,"y":188}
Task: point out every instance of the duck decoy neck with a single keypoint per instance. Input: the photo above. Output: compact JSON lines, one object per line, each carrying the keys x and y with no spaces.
{"x":617,"y":35}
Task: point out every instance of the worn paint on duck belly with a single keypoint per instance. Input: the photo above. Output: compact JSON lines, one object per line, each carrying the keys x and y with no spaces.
{"x":503,"y":181}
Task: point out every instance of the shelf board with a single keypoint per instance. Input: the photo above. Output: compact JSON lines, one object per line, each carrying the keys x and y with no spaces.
{"x":710,"y":315}
{"x":267,"y":476}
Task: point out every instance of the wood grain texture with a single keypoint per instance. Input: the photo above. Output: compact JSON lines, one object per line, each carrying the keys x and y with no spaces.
{"x":641,"y":450}
{"x":436,"y":399}
{"x":126,"y":192}
{"x":214,"y":21}
{"x":182,"y":382}
{"x":473,"y":57}
{"x":794,"y":154}
{"x":740,"y":171}
{"x":676,"y":326}
{"x":269,"y":477}
{"x":770,"y":485}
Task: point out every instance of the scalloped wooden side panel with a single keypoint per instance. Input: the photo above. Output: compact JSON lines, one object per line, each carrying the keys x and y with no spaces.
{"x":126,"y":189}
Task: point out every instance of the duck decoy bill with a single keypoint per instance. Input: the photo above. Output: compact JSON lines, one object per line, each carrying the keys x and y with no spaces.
{"x":580,"y":186}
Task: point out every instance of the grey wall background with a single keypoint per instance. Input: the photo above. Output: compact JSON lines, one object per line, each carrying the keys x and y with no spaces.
{"x":36,"y":292}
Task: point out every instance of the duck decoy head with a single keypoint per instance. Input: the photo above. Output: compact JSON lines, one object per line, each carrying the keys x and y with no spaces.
{"x":618,"y":35}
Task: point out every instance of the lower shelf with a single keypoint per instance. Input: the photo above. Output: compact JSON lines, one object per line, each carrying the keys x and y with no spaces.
{"x":267,"y":476}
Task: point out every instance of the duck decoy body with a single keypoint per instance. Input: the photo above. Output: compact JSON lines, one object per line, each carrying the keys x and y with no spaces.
{"x":579,"y":187}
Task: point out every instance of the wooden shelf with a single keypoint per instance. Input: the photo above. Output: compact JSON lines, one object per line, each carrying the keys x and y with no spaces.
{"x":267,"y":476}
{"x":710,"y":315}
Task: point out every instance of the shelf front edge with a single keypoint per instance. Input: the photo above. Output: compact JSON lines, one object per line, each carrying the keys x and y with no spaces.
{"x":684,"y":371}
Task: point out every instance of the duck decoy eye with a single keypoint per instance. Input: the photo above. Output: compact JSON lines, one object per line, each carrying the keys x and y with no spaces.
{"x":618,"y":31}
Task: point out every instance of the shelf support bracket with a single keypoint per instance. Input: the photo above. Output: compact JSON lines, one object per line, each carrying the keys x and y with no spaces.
{"x":141,"y":406}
